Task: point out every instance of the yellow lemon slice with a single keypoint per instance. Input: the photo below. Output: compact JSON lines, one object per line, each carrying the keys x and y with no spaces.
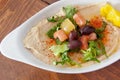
{"x":111,"y":14}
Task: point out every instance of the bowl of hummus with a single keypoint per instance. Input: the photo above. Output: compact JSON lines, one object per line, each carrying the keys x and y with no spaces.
{"x":68,"y":37}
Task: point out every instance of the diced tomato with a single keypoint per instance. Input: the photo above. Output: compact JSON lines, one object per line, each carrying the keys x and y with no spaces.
{"x":79,"y":19}
{"x":92,"y":36}
{"x":61,"y":35}
{"x":96,"y":21}
{"x":84,"y":40}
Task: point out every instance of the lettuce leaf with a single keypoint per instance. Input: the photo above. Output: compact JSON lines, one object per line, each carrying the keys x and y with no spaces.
{"x":96,"y":48}
{"x":69,"y":11}
{"x":58,"y":49}
{"x":65,"y":59}
{"x":54,"y":28}
{"x":61,"y":51}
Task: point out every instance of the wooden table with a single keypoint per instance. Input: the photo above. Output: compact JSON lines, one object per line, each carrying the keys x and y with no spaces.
{"x":15,"y":12}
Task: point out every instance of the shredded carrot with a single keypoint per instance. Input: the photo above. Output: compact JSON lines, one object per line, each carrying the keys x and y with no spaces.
{"x":50,"y":41}
{"x":96,"y":21}
{"x":106,"y":37}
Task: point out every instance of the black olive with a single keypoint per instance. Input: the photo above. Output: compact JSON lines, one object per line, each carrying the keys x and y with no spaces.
{"x":86,"y":30}
{"x":73,"y":36}
{"x":74,"y":44}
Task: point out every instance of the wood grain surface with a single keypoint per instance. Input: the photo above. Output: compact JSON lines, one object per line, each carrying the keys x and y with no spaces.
{"x":15,"y":12}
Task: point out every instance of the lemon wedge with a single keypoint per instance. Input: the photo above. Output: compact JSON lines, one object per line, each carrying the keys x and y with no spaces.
{"x":111,"y":14}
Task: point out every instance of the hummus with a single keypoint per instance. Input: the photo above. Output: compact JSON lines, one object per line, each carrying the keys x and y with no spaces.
{"x":38,"y":43}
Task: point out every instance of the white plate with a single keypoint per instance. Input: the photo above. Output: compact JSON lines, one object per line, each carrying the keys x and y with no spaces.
{"x":12,"y":45}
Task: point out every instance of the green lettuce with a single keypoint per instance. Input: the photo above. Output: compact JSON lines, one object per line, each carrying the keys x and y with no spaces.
{"x":96,"y":48}
{"x":58,"y":49}
{"x":69,"y":11}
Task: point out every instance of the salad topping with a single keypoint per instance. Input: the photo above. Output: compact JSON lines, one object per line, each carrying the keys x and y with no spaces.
{"x":73,"y":33}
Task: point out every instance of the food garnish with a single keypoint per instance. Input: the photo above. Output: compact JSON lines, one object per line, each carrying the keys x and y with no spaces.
{"x":72,"y":32}
{"x":111,"y":14}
